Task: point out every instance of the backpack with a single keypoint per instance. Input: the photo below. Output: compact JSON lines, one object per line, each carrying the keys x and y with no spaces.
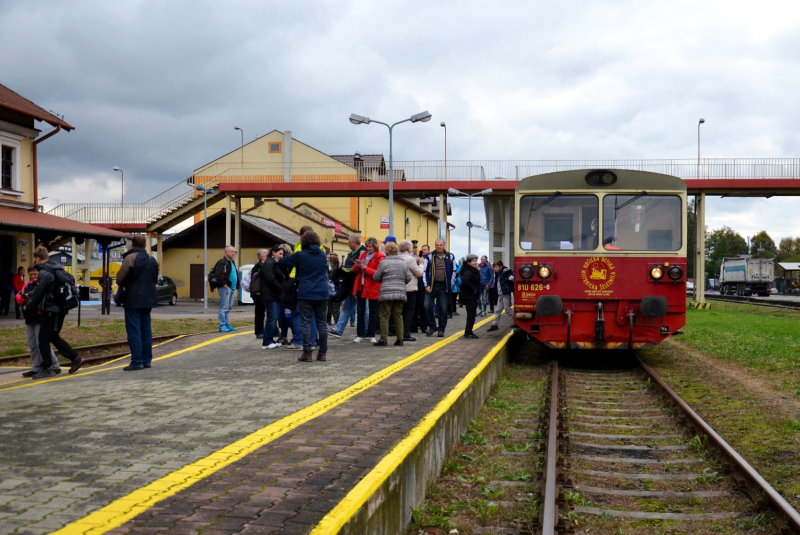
{"x":246,"y":281}
{"x":65,"y":293}
{"x":213,"y":283}
{"x":255,"y":282}
{"x":289,"y":286}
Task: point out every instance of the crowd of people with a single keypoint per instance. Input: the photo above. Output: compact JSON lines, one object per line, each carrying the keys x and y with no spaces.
{"x":384,"y":290}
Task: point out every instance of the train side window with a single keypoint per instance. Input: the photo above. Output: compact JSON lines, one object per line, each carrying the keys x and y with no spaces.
{"x":642,"y":222}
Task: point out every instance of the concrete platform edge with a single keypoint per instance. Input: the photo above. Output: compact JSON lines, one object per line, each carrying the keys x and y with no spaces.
{"x":387,"y":510}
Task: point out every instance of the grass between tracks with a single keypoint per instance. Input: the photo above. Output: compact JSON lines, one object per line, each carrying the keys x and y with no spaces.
{"x":738,"y":366}
{"x":13,"y":340}
{"x":491,"y":477}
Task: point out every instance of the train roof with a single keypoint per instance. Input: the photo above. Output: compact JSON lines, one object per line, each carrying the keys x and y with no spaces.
{"x":626,"y":180}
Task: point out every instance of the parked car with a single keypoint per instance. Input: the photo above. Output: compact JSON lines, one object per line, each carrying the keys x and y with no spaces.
{"x":689,"y":288}
{"x":167,"y":291}
{"x":244,"y":296}
{"x":773,"y":291}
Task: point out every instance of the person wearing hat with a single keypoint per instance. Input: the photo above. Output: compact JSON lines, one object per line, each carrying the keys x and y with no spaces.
{"x":390,"y":238}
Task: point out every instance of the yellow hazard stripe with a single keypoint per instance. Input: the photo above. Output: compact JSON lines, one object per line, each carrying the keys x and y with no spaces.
{"x":356,"y":498}
{"x":128,"y":507}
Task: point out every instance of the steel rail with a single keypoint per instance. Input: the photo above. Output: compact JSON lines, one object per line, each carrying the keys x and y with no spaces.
{"x":550,"y":515}
{"x":754,"y":478}
{"x":106,"y":345}
{"x":746,"y":300}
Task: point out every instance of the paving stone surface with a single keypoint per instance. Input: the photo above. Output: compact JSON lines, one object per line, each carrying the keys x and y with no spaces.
{"x":71,"y":447}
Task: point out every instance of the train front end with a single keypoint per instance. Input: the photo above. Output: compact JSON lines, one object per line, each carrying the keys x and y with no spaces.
{"x":600,"y":258}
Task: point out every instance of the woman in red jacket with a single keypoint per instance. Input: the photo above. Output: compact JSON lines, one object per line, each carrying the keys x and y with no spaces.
{"x":366,"y":289}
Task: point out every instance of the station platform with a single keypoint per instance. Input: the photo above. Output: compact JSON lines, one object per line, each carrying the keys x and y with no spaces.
{"x":224,"y":437}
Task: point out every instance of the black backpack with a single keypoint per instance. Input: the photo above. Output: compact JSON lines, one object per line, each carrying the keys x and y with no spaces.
{"x":213,"y":283}
{"x":255,"y":281}
{"x":65,"y":292}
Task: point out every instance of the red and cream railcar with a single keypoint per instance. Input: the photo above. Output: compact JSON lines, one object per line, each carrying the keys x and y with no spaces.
{"x":600,"y":259}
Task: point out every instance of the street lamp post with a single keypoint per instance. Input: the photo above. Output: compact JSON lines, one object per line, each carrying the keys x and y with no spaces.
{"x":454,"y":191}
{"x":698,"y":145}
{"x":444,"y":125}
{"x":206,"y":192}
{"x":122,"y":203}
{"x":242,"y":132}
{"x":422,"y":117}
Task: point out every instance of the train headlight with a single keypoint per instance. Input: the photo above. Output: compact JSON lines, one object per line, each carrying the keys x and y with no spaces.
{"x":544,"y":272}
{"x":526,"y":271}
{"x":656,"y":273}
{"x":675,"y":273}
{"x":601,"y":178}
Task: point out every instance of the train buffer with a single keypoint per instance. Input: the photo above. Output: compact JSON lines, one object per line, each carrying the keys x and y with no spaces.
{"x":222,"y":435}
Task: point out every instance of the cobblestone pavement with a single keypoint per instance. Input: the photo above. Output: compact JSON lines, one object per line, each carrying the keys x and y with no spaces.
{"x":70,"y":447}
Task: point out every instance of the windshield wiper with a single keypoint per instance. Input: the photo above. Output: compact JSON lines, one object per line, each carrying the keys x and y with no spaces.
{"x":548,"y":200}
{"x":626,"y":203}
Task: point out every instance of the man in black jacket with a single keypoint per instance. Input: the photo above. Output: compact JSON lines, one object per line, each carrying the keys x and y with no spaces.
{"x":138,"y":275}
{"x":51,"y":316}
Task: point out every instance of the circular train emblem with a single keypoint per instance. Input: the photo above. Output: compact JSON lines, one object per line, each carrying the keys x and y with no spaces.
{"x":598,"y":273}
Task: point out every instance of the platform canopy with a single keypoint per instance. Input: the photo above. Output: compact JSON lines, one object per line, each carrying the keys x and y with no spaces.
{"x":790,"y":266}
{"x":48,"y":227}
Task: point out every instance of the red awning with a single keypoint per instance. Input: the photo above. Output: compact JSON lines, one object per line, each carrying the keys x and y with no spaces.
{"x":30,"y":221}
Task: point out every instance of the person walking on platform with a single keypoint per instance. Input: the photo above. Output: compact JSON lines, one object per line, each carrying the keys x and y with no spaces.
{"x":311,"y":270}
{"x":138,"y":275}
{"x":439,"y":279}
{"x":470,"y":292}
{"x":334,"y":305}
{"x":452,"y":309}
{"x":393,"y":274}
{"x":271,"y":282}
{"x":367,"y":290}
{"x":420,"y":323}
{"x":251,"y":282}
{"x":410,"y":307}
{"x":504,"y":279}
{"x":226,"y":279}
{"x":345,"y":280}
{"x":32,"y":326}
{"x":18,"y":282}
{"x":487,"y":280}
{"x":51,"y":315}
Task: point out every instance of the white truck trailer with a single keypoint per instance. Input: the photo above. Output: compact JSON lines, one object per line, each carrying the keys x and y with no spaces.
{"x":746,"y":276}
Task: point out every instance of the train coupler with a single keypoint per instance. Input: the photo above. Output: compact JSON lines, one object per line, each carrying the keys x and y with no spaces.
{"x":599,"y":324}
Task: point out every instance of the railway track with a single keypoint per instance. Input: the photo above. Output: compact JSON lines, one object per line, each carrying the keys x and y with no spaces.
{"x":95,"y":354}
{"x":756,"y":302}
{"x":625,"y":455}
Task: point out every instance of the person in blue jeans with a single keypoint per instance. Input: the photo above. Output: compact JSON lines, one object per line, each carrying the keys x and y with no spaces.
{"x":271,"y":280}
{"x":487,"y":280}
{"x":227,"y":277}
{"x":439,"y":276}
{"x":311,"y":271}
{"x":348,"y":278}
{"x":138,"y":275}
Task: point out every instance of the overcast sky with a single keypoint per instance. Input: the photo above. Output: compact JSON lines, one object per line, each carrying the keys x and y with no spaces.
{"x":157,"y":87}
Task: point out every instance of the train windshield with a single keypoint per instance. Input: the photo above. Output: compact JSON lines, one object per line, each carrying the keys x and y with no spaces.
{"x":642,"y":222}
{"x":554,"y":222}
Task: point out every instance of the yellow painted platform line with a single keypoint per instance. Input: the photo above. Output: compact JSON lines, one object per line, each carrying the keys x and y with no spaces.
{"x":126,"y":508}
{"x":103,"y":368}
{"x":356,"y":498}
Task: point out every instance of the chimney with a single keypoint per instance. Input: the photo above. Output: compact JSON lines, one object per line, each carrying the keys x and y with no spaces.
{"x":287,"y":162}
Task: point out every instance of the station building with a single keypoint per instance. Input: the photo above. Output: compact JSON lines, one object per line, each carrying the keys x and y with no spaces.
{"x":278,"y":157}
{"x":22,"y":224}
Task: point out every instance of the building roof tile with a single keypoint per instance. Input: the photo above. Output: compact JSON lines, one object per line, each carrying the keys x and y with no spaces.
{"x":15,"y":102}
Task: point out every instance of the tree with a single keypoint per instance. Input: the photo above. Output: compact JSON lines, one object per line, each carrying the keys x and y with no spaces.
{"x":720,"y":244}
{"x":788,"y":250}
{"x":762,"y":246}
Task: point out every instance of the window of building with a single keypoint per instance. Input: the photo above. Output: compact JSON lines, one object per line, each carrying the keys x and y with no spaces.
{"x":275,"y":147}
{"x":7,"y":167}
